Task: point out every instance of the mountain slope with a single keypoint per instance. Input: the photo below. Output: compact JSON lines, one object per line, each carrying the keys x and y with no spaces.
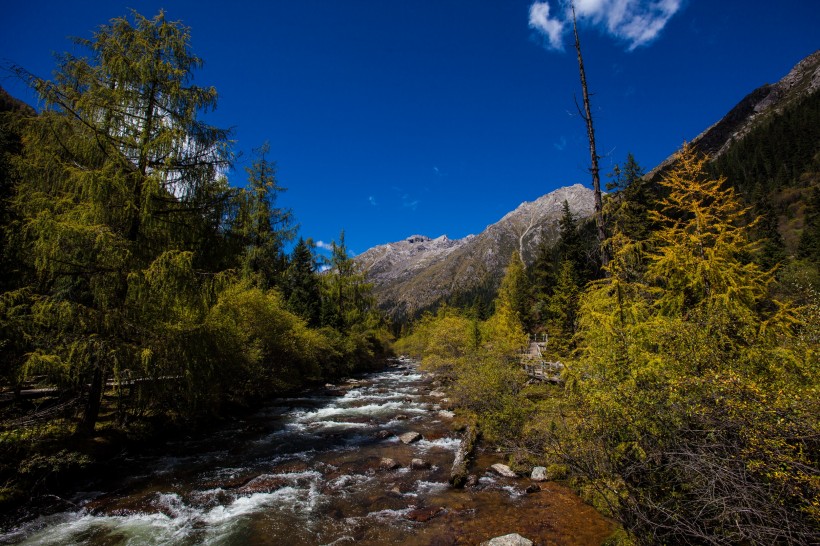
{"x":756,"y":108}
{"x":418,"y":273}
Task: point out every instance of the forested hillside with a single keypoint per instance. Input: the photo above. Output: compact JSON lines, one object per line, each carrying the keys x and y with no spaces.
{"x":140,"y":289}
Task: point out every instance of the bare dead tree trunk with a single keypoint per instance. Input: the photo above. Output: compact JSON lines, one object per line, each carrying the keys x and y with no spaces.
{"x":593,"y":154}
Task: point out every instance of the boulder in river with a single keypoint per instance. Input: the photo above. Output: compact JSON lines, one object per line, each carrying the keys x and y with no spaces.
{"x":532,"y":488}
{"x":513,"y":539}
{"x":419,"y":464}
{"x":539,"y":474}
{"x":386,"y":463}
{"x":447,"y":414}
{"x":424,"y":514}
{"x":263,"y":484}
{"x":503,"y":470}
{"x":384,"y":434}
{"x":410,"y":437}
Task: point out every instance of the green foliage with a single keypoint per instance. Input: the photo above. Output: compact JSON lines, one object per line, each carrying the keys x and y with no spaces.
{"x":444,"y":342}
{"x":347,"y":302}
{"x":809,"y":246}
{"x":691,"y":410}
{"x":268,"y":348}
{"x":479,"y":360}
{"x":262,"y":227}
{"x":301,"y":285}
{"x":144,"y":288}
{"x":562,"y":307}
{"x":777,"y":152}
{"x":627,"y":208}
{"x":503,"y":333}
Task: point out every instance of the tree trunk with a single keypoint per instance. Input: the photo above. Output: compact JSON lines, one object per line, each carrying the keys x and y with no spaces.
{"x":593,"y":154}
{"x":92,"y":406}
{"x":460,"y":471}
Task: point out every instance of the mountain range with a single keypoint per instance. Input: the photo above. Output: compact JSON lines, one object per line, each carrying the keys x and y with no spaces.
{"x":417,"y":273}
{"x":421,"y":272}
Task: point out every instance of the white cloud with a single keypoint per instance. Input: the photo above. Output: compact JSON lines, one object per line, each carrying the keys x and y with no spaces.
{"x":637,"y":22}
{"x":324,"y":246}
{"x":373,"y":201}
{"x":551,"y":28}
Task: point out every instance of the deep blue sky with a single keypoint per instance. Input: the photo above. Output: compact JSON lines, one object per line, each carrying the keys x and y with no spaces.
{"x":394,"y":117}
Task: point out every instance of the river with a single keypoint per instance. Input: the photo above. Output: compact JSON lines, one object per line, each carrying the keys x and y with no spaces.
{"x":310,"y":470}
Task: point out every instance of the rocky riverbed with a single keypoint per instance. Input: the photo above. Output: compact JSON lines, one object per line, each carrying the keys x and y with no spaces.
{"x":366,"y":461}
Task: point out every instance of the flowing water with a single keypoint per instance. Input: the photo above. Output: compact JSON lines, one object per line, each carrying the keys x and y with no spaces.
{"x":310,"y":471}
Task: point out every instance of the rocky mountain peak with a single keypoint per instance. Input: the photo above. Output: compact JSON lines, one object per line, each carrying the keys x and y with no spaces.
{"x":419,"y":271}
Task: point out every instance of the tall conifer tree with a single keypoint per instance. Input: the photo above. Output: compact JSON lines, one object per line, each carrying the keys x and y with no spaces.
{"x":120,"y":184}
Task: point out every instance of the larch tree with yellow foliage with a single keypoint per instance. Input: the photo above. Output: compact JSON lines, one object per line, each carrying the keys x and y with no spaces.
{"x":692,"y":409}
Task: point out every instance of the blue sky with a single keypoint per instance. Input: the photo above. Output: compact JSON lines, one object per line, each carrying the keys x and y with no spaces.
{"x":389,"y":118}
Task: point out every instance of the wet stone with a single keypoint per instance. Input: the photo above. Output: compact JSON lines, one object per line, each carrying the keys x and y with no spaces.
{"x":386,"y":463}
{"x":419,"y":464}
{"x":410,"y":437}
{"x":513,"y":539}
{"x":503,"y":470}
{"x":472,"y":481}
{"x":262,"y":484}
{"x":539,"y":474}
{"x":533,"y":488}
{"x":424,"y":514}
{"x":384,"y":434}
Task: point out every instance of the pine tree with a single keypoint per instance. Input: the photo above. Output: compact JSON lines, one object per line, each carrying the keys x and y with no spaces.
{"x":504,"y":331}
{"x":347,"y":300}
{"x":302,"y":284}
{"x":516,"y":290}
{"x":263,"y":227}
{"x":628,"y":207}
{"x":120,"y":185}
{"x":563,"y":305}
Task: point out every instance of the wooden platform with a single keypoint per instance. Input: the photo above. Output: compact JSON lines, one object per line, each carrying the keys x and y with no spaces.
{"x":539,"y":368}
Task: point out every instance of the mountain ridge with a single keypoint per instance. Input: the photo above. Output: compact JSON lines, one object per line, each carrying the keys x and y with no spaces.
{"x":767,"y":100}
{"x":420,"y":272}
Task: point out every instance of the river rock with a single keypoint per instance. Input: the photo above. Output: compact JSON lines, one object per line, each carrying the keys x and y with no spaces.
{"x":410,"y":437}
{"x":539,"y":474}
{"x":386,"y":463}
{"x":532,"y":488}
{"x":262,"y":484}
{"x":447,"y":414}
{"x":401,"y":417}
{"x":384,"y":434}
{"x":472,"y":481}
{"x":503,"y":470}
{"x":437,"y":394}
{"x":424,"y":514}
{"x":419,"y":464}
{"x":513,"y":539}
